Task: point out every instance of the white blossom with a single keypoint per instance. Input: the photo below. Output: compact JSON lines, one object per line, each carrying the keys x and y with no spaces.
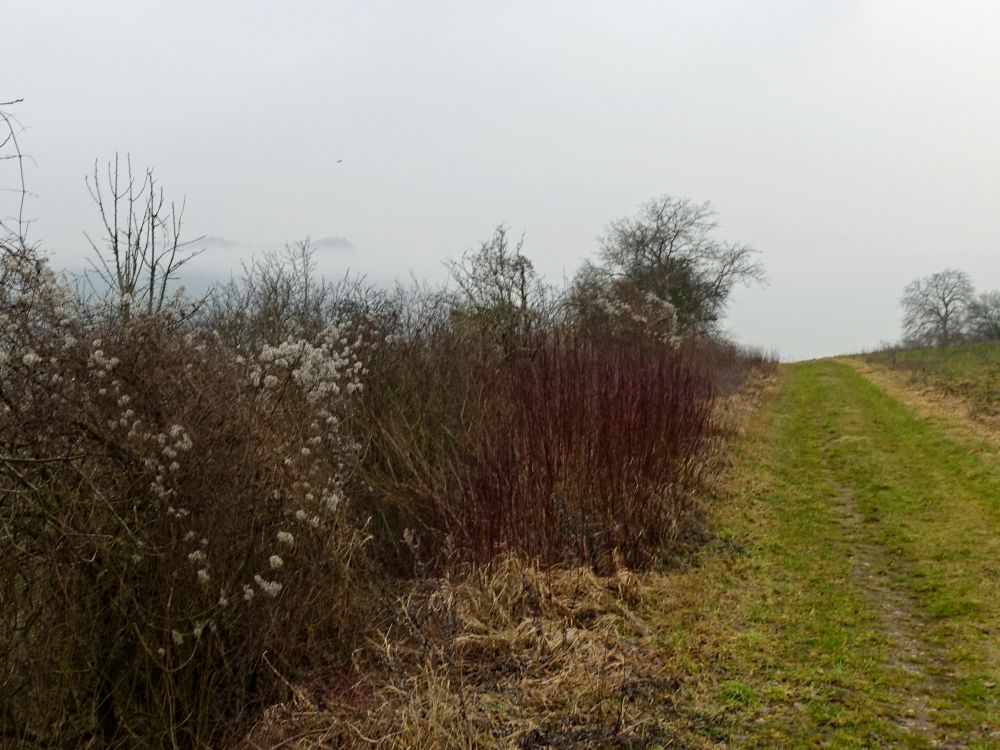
{"x":332,"y":501}
{"x":271,"y":588}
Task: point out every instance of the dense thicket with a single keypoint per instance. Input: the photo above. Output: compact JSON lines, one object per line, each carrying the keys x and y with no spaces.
{"x":198,"y":497}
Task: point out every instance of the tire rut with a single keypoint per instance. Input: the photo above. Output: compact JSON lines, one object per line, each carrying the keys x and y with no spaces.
{"x":925,"y":671}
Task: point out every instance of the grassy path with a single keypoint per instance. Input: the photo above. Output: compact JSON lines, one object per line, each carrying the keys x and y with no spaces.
{"x":860,"y":604}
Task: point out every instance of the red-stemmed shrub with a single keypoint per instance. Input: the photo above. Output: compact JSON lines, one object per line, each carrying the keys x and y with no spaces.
{"x":565,"y":449}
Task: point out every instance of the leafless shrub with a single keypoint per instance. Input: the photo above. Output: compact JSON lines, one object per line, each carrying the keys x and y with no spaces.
{"x":281,"y":294}
{"x":499,"y":292}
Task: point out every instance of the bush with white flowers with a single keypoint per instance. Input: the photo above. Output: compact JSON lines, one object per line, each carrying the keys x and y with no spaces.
{"x":173,"y":509}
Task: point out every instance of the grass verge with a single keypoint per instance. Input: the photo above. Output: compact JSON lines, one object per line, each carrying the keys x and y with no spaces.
{"x":863,"y":611}
{"x":970,"y":372}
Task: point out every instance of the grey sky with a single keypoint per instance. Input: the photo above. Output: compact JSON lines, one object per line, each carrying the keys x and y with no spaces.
{"x":854,"y":143}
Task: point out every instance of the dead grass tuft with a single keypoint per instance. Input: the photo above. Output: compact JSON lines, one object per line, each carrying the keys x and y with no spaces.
{"x":503,"y":656}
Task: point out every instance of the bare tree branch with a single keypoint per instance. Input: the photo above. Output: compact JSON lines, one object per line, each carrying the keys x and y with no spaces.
{"x":141,"y":251}
{"x":10,"y":150}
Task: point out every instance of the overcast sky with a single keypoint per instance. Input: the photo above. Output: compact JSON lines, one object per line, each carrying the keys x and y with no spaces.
{"x":855,"y":144}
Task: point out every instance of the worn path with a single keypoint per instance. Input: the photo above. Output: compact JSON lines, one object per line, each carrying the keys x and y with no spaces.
{"x":865,"y":611}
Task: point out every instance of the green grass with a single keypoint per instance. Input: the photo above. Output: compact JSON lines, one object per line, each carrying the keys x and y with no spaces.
{"x":970,"y":371}
{"x":842,"y":480}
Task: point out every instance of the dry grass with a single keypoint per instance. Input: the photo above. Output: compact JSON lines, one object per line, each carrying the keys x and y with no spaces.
{"x":962,"y":416}
{"x":504,"y":656}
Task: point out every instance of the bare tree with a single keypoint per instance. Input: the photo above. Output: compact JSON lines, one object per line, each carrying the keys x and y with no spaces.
{"x":668,"y":250}
{"x":983,"y":318}
{"x":935,"y":307}
{"x":141,"y":251}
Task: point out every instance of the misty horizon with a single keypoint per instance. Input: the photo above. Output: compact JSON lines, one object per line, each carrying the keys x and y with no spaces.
{"x":850,"y":144}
